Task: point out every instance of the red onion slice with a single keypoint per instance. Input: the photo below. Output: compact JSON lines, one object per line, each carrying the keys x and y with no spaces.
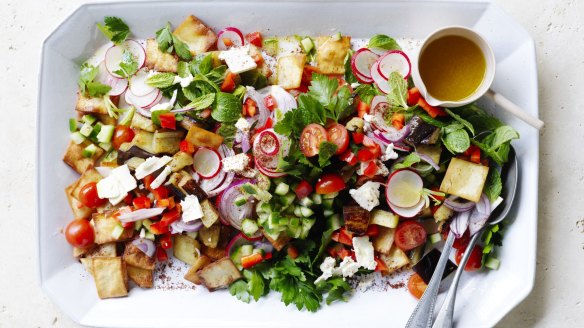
{"x":145,"y":245}
{"x":229,"y":210}
{"x":181,"y":226}
{"x":263,"y":112}
{"x":480,"y":215}
{"x":428,"y":160}
{"x":452,"y":204}
{"x":235,"y":242}
{"x":284,"y":100}
{"x":460,"y":223}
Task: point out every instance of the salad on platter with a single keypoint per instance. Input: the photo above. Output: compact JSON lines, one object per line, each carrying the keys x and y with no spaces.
{"x":287,"y":164}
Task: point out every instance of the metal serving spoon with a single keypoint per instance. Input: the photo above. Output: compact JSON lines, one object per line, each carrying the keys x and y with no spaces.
{"x":510,"y":172}
{"x":422,"y":316}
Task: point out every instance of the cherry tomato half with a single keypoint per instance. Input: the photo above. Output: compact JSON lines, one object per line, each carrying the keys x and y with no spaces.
{"x":338,"y":135}
{"x":88,"y":196}
{"x":329,"y":183}
{"x":416,"y":286}
{"x":311,"y":138}
{"x":79,"y":233}
{"x":474,"y":261}
{"x":409,"y":235}
{"x":122,"y":134}
{"x":303,"y":189}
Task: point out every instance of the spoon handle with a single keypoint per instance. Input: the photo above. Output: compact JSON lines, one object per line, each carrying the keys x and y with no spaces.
{"x":444,"y":319}
{"x":423,"y":313}
{"x":509,"y":106}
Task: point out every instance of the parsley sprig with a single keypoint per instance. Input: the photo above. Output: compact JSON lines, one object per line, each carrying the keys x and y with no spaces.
{"x":87,"y":85}
{"x":114,"y":29}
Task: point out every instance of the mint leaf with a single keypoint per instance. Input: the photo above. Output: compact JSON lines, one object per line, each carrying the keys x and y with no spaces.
{"x":164,"y":39}
{"x":181,"y":48}
{"x":202,"y":102}
{"x":128,"y":65}
{"x":114,"y":29}
{"x":456,"y":142}
{"x":498,"y":144}
{"x":161,"y":80}
{"x":408,"y":161}
{"x":383,"y":42}
{"x":227,"y":131}
{"x":461,"y":120}
{"x":240,"y":291}
{"x":201,"y":64}
{"x":366,"y":92}
{"x":227,"y":108}
{"x":398,"y":95}
{"x":326,"y":150}
{"x":493,"y":185}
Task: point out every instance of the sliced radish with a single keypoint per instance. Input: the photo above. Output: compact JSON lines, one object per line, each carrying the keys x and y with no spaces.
{"x":379,"y":105}
{"x":138,"y":84}
{"x":231,"y":33}
{"x":408,"y":212}
{"x":207,"y":162}
{"x":267,"y":172}
{"x":394,"y":61}
{"x":361,"y":63}
{"x":118,"y":86}
{"x":404,"y":188}
{"x":268,"y":143}
{"x":156,"y":101}
{"x":113,"y":55}
{"x":379,"y":80}
{"x":145,"y":101}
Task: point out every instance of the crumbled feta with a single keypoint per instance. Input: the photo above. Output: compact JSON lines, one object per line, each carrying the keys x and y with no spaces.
{"x":367,"y":196}
{"x":117,"y":185}
{"x":237,"y":163}
{"x":161,"y":178}
{"x":238,"y":59}
{"x":151,"y":165}
{"x":389,"y":153}
{"x":191,"y":208}
{"x":165,"y":105}
{"x":327,"y":267}
{"x":242,"y":125}
{"x":364,"y":252}
{"x":184,"y":81}
{"x":355,"y":85}
{"x":347,"y":268}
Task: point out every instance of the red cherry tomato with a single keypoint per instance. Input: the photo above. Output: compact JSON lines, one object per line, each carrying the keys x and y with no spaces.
{"x":416,"y":286}
{"x":122,"y":134}
{"x":371,"y":169}
{"x":358,"y":137}
{"x":303,"y":189}
{"x":329,"y":183}
{"x":79,"y":233}
{"x":88,"y":196}
{"x":474,"y":261}
{"x":311,"y":138}
{"x":413,"y":96}
{"x":255,"y":38}
{"x":463,"y":241}
{"x":409,"y":235}
{"x":338,"y":135}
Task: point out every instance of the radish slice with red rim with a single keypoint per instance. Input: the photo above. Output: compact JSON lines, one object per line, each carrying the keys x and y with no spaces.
{"x":404,"y":188}
{"x":361,"y":63}
{"x":222,"y":180}
{"x":408,"y":212}
{"x":118,"y":86}
{"x":207,"y":162}
{"x":143,"y":101}
{"x":114,"y":55}
{"x":156,"y":101}
{"x":394,"y":61}
{"x":268,"y":143}
{"x":268,"y":173}
{"x":138,"y":84}
{"x":379,"y":80}
{"x":231,"y":33}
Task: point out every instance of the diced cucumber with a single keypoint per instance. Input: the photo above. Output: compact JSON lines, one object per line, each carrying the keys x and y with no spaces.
{"x":336,"y":36}
{"x":294,"y":222}
{"x":306,"y":226}
{"x":138,"y":225}
{"x":240,"y":200}
{"x":263,"y":207}
{"x":332,"y":195}
{"x":89,"y":151}
{"x":86,"y":129}
{"x":327,"y":213}
{"x":263,"y":218}
{"x":246,"y":250}
{"x":193,"y":234}
{"x":282,"y":189}
{"x":249,"y":227}
{"x":150,"y":235}
{"x":95,"y":131}
{"x":328,"y":203}
{"x":288,"y":199}
{"x":492,"y":263}
{"x":297,"y":211}
{"x":257,"y":193}
{"x":77,"y":138}
{"x":249,"y":188}
{"x":416,"y":254}
{"x":316,"y":198}
{"x":273,"y":234}
{"x":333,"y":222}
{"x":147,"y":223}
{"x":126,"y":117}
{"x":72,"y":125}
{"x":307,"y":44}
{"x":236,"y":256}
{"x":105,"y":134}
{"x":435,"y":238}
{"x":105,"y":146}
{"x":270,"y":46}
{"x":294,"y":231}
{"x":111,"y":156}
{"x":306,"y":212}
{"x":117,"y":231}
{"x":89,"y":119}
{"x":306,"y":201}
{"x":277,"y":181}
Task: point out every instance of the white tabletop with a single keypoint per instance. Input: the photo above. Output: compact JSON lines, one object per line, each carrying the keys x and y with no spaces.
{"x":558,"y":29}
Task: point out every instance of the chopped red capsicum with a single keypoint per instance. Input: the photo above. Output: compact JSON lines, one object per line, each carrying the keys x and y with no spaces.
{"x":253,"y":259}
{"x":141,"y":202}
{"x":229,"y":82}
{"x":168,"y":121}
{"x":187,"y":147}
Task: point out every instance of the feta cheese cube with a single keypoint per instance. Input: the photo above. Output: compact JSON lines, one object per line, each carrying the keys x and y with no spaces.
{"x":327,"y":267}
{"x":389,"y":153}
{"x":117,"y":185}
{"x":238,"y":59}
{"x":364,"y":252}
{"x":151,"y":165}
{"x":347,"y":268}
{"x":237,"y":163}
{"x":242,"y":125}
{"x":367,"y":196}
{"x":191,"y":209}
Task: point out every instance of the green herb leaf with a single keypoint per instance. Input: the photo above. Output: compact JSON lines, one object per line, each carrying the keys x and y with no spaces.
{"x":128,"y":65}
{"x":256,"y":285}
{"x":322,"y":88}
{"x":227,"y":131}
{"x":326,"y":150}
{"x":337,"y":289}
{"x":324,"y":241}
{"x":398,"y":95}
{"x":492,"y":238}
{"x":309,"y":111}
{"x":427,"y":118}
{"x":161,"y":80}
{"x":164,"y":39}
{"x":383,"y":42}
{"x":181,"y":49}
{"x":201,"y":64}
{"x":202,"y":102}
{"x":239,"y":289}
{"x":366,"y":92}
{"x":498,"y":144}
{"x":156,"y":115}
{"x":114,"y":29}
{"x":86,"y":84}
{"x":493,"y":185}
{"x":461,"y":120}
{"x":227,"y":108}
{"x":457,"y":142}
{"x":349,"y":76}
{"x":408,"y":161}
